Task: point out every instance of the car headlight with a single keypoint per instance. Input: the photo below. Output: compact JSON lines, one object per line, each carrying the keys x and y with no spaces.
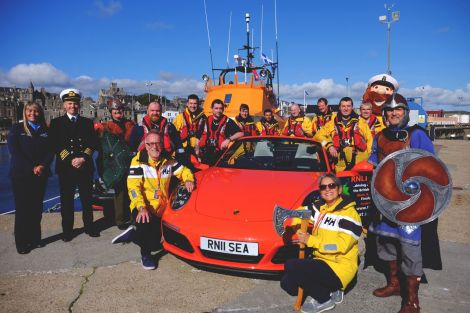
{"x":179,"y":197}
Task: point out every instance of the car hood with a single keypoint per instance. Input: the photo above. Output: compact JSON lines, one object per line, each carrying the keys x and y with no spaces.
{"x":250,"y":195}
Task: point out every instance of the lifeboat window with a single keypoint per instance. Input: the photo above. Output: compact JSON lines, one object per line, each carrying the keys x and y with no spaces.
{"x":228,"y":98}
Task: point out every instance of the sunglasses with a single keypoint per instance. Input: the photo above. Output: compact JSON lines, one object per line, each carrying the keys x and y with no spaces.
{"x":153,"y":144}
{"x":328,"y":186}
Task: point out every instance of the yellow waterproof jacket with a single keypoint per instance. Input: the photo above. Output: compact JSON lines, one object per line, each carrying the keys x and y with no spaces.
{"x":190,"y":128}
{"x":326,"y":135}
{"x":375,"y":123}
{"x":335,"y":241}
{"x":265,"y":128}
{"x":300,"y":126}
{"x":148,"y":181}
{"x":318,"y":121}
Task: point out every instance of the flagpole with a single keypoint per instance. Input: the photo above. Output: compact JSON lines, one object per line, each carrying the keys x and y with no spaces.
{"x":305,"y":105}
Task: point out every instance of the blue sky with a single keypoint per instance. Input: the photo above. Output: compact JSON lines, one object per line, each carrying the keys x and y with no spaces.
{"x":88,"y":44}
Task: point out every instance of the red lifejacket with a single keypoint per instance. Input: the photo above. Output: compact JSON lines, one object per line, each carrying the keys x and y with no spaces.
{"x":161,"y":128}
{"x":269,"y":128}
{"x":247,"y":126}
{"x":373,"y":122}
{"x":192,"y":128}
{"x":348,"y":135}
{"x":321,"y":120}
{"x":294,"y":127}
{"x":214,"y":138}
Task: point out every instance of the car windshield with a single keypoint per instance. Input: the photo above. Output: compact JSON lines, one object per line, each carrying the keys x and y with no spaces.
{"x":276,"y":154}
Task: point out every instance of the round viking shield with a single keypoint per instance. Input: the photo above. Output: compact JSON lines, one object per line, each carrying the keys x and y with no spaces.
{"x":411,"y":187}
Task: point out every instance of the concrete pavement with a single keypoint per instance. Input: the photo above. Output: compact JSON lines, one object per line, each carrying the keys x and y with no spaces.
{"x":92,"y":275}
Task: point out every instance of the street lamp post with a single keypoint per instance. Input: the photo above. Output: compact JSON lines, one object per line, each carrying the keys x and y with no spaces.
{"x":388,"y":19}
{"x":148,"y":84}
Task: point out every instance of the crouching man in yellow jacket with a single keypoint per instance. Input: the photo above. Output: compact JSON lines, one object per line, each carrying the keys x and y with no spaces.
{"x":336,"y":230}
{"x":148,"y":183}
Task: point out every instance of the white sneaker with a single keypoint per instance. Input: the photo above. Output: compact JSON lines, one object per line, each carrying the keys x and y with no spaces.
{"x":312,"y":306}
{"x":337,"y":296}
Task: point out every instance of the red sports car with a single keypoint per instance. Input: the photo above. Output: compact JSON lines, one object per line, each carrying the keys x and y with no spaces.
{"x":227,"y":222}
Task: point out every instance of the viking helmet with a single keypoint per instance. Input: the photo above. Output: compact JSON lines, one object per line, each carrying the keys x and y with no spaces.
{"x":114,"y":104}
{"x":397,"y":101}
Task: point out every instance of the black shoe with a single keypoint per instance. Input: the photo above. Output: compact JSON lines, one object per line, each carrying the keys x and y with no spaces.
{"x":67,"y":237}
{"x":123,"y":226}
{"x":23,"y":250}
{"x":92,"y":233}
{"x":38,"y":245}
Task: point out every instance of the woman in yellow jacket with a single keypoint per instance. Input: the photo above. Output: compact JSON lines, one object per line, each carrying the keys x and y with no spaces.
{"x":336,"y":230}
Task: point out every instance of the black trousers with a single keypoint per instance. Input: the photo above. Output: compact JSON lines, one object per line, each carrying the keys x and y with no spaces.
{"x":121,"y":202}
{"x":69,"y":180}
{"x":315,"y":276}
{"x":148,"y":235}
{"x":28,"y":193}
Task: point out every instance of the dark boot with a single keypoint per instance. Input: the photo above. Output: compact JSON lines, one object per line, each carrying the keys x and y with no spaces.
{"x":412,"y":303}
{"x":393,"y":285}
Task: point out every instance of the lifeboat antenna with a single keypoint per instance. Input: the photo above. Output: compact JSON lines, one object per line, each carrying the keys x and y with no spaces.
{"x":248,"y":54}
{"x":229,"y":31}
{"x":209,"y":39}
{"x":277,"y":51}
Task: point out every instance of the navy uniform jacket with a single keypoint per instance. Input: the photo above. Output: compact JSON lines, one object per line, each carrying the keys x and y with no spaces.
{"x":29,"y":151}
{"x":72,"y":140}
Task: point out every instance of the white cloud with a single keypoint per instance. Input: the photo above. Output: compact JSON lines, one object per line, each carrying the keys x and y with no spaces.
{"x":109,"y":9}
{"x":43,"y":73}
{"x":174,"y":84}
{"x":433,"y":97}
{"x":324,"y":88}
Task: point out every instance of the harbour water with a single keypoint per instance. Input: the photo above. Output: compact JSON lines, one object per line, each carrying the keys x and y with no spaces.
{"x":7,"y":204}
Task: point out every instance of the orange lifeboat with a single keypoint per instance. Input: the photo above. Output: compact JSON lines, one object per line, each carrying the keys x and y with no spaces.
{"x":244,"y":83}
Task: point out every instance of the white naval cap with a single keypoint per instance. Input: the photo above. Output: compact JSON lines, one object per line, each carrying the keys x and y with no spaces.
{"x":71,"y":94}
{"x":385,"y":80}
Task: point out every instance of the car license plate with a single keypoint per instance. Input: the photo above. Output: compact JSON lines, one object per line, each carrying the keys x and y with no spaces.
{"x":229,"y":246}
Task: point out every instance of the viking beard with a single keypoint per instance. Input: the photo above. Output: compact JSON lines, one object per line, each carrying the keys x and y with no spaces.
{"x":376,"y":99}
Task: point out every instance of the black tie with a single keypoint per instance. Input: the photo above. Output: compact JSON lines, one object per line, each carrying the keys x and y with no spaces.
{"x":73,"y":119}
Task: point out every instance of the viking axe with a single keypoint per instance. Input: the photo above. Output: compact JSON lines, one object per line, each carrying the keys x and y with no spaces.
{"x":279,"y":217}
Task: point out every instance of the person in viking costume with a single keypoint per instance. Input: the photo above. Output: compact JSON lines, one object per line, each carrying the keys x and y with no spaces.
{"x":396,"y":239}
{"x":116,"y":156}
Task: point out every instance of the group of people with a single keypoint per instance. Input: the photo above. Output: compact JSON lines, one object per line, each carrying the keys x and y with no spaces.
{"x":157,"y":150}
{"x":336,"y":226}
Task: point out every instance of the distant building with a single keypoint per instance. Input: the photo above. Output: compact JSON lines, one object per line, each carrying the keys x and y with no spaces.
{"x":435,"y":113}
{"x":113,"y":92}
{"x":170,"y":115}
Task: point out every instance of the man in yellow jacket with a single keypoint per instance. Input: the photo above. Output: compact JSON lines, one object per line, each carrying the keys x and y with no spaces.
{"x":148,"y":184}
{"x":347,"y":138}
{"x":190,"y":125}
{"x":297,"y":125}
{"x":375,"y":122}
